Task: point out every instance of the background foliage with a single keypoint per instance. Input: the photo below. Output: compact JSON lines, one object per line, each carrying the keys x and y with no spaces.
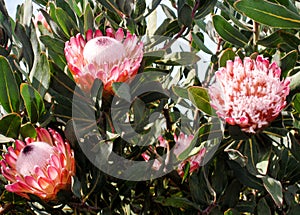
{"x":256,"y":174}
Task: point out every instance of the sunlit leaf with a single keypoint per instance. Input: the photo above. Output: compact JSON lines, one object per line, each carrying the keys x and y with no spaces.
{"x":40,"y":75}
{"x":33,"y":102}
{"x":10,"y":125}
{"x":274,"y":188}
{"x":228,"y":32}
{"x":200,"y":98}
{"x":9,"y":90}
{"x":185,"y":15}
{"x":28,"y":130}
{"x":268,"y":13}
{"x":226,"y":55}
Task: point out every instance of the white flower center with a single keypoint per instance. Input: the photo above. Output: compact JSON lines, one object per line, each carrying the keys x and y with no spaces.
{"x":102,"y":50}
{"x":34,"y":154}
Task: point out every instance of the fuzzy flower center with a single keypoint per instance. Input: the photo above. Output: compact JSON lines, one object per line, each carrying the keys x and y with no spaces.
{"x":34,"y":154}
{"x":102,"y":50}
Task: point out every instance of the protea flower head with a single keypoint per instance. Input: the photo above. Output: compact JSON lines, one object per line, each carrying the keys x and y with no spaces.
{"x":249,"y":93}
{"x":182,"y":142}
{"x":41,"y":166}
{"x":113,"y":57}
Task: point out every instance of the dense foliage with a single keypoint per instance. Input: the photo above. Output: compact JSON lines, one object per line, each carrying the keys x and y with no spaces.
{"x":240,"y":172}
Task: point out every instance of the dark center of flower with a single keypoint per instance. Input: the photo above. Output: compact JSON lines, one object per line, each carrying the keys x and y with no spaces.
{"x":27,"y":149}
{"x":32,"y":155}
{"x":101,"y":41}
{"x":102,"y":50}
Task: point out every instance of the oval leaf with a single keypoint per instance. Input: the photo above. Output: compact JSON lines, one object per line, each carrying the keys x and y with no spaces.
{"x":228,"y":32}
{"x":9,"y":90}
{"x":40,"y":74}
{"x":274,"y":188}
{"x":185,"y":15}
{"x":179,"y":58}
{"x":65,"y":21}
{"x":200,"y":98}
{"x":33,"y":102}
{"x":10,"y":125}
{"x":268,"y":13}
{"x":28,"y":130}
{"x":226,"y":55}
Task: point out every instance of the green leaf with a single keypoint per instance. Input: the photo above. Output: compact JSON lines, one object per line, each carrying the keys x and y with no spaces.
{"x":110,"y":5}
{"x":200,"y":98}
{"x":76,"y":187}
{"x":232,"y":194}
{"x":263,"y":207}
{"x":52,"y":21}
{"x":185,"y":15}
{"x":200,"y":44}
{"x":286,"y":3}
{"x":280,"y":39}
{"x":274,"y":188}
{"x":226,"y":55}
{"x":268,"y":13}
{"x":231,"y":211}
{"x":76,"y":8}
{"x":10,"y":125}
{"x":28,"y":130}
{"x":179,"y":58}
{"x":177,"y":202}
{"x":26,"y":44}
{"x":295,"y":210}
{"x":245,"y":177}
{"x":9,"y":90}
{"x":205,"y":8}
{"x":122,"y":90}
{"x":237,"y":156}
{"x":169,"y":13}
{"x":288,"y":62}
{"x":33,"y":102}
{"x":140,"y":7}
{"x":65,"y":22}
{"x":295,"y":146}
{"x":56,"y":50}
{"x":181,"y":92}
{"x":40,"y":74}
{"x":228,"y":32}
{"x":227,"y":11}
{"x":88,"y":18}
{"x":296,"y":102}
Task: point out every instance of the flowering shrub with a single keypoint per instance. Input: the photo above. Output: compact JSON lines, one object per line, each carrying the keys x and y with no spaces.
{"x":97,"y":99}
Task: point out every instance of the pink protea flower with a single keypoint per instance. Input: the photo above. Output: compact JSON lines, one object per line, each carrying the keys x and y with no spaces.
{"x":182,"y":142}
{"x":250,"y":93}
{"x":41,"y":167}
{"x":115,"y":57}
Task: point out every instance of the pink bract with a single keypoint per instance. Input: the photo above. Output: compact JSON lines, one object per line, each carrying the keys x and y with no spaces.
{"x":249,"y":93}
{"x":41,"y":166}
{"x":113,"y":57}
